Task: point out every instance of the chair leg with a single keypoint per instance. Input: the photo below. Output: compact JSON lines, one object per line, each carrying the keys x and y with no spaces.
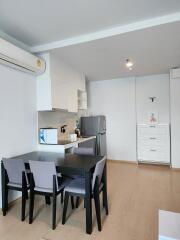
{"x":84,"y":202}
{"x":5,"y":209}
{"x":31,"y":206}
{"x":98,"y":212}
{"x":27,"y":195}
{"x":105,"y":201}
{"x":54,"y":213}
{"x":105,"y":198}
{"x":77,"y":201}
{"x":66,"y":198}
{"x":3,"y":205}
{"x":62,"y":197}
{"x":4,"y":189}
{"x":72,"y":202}
{"x":24,"y":191}
{"x":47,"y":200}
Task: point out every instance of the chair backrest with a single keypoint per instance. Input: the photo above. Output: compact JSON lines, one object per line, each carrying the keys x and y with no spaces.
{"x":43,"y":173}
{"x":14,"y":168}
{"x":98,"y":172}
{"x":84,"y":151}
{"x":89,"y":144}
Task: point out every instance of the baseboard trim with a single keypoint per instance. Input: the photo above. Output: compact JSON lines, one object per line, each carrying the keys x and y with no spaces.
{"x":154,"y":163}
{"x":13,"y":202}
{"x":121,"y":161}
{"x":175,"y":169}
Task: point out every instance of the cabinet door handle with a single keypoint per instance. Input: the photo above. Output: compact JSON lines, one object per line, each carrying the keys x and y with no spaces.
{"x":152,"y":150}
{"x":152,"y":138}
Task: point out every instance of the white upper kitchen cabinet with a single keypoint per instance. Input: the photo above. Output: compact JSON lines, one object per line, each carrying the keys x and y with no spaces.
{"x":58,"y":86}
{"x":82,"y":100}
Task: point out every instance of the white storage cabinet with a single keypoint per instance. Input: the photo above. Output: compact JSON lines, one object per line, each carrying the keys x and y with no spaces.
{"x":153,"y":143}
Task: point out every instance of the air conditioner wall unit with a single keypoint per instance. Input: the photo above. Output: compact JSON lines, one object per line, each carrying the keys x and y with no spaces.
{"x":20,"y":59}
{"x":175,"y":73}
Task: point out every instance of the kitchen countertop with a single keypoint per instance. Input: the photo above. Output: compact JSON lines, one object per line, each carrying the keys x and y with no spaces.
{"x":63,"y":145}
{"x":67,"y":143}
{"x":79,"y":140}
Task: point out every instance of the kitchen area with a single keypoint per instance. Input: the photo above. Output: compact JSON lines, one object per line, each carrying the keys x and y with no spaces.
{"x":61,"y":132}
{"x":69,"y":147}
{"x":61,"y":105}
{"x":90,"y":120}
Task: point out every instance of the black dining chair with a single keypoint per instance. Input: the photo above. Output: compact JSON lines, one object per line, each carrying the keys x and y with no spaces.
{"x":15,"y":178}
{"x":86,"y":148}
{"x":77,"y":188}
{"x":45,"y":181}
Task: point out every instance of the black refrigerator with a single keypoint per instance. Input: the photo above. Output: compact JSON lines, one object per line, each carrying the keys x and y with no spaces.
{"x":95,"y":126}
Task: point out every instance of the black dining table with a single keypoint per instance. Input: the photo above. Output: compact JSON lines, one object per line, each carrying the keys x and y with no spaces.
{"x":70,"y":164}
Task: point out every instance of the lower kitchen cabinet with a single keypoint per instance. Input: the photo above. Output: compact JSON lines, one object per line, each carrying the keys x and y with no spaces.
{"x":153,"y":143}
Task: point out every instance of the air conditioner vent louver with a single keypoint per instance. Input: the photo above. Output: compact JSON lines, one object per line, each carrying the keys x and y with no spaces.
{"x":20,"y":59}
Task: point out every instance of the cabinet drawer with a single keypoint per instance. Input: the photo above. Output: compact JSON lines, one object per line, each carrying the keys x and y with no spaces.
{"x":155,"y":137}
{"x":157,"y":154}
{"x":153,"y":130}
{"x":153,"y":141}
{"x":154,"y":148}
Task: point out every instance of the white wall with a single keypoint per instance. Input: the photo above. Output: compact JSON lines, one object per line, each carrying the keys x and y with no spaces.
{"x":124,"y":101}
{"x":152,"y":86}
{"x":18,"y":117}
{"x":175,"y":121}
{"x":116,"y":100}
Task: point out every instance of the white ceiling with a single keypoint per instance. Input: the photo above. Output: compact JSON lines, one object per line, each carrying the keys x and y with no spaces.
{"x":96,"y":36}
{"x":36,"y":22}
{"x":153,"y":50}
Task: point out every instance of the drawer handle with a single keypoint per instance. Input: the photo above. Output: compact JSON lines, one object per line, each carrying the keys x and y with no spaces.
{"x":152,"y":150}
{"x":152,"y":126}
{"x":152,"y":138}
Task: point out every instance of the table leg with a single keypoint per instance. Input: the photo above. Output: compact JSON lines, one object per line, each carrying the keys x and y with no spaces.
{"x":105,"y":198}
{"x":48,"y":200}
{"x":31,"y":199}
{"x":3,"y":187}
{"x":88,"y":186}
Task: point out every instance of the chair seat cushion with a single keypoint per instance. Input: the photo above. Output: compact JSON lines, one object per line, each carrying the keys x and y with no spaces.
{"x":10,"y":184}
{"x":59,"y":175}
{"x":77,"y":186}
{"x":62,"y":183}
{"x":45,"y":190}
{"x":84,"y":151}
{"x":73,"y":176}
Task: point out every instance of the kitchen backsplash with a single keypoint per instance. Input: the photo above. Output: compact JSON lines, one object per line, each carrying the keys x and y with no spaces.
{"x":56,"y":119}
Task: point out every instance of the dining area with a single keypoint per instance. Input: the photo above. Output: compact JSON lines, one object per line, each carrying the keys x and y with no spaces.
{"x":73,"y":180}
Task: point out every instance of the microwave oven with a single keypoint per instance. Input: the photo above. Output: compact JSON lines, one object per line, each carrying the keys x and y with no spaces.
{"x":48,"y":135}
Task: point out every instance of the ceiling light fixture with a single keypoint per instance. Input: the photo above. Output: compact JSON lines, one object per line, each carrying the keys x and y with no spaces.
{"x":129,"y":64}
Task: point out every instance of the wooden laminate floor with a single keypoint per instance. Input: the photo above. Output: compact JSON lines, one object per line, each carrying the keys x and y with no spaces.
{"x":136,"y":193}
